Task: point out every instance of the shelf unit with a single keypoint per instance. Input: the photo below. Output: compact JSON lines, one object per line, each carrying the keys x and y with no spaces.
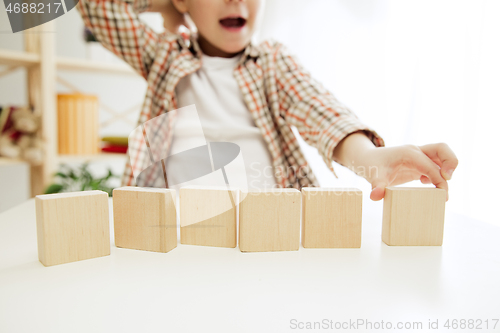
{"x":69,"y":64}
{"x":42,"y":66}
{"x":94,"y":158}
{"x":16,"y":58}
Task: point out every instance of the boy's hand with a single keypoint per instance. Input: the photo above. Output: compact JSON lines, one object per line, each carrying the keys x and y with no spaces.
{"x":172,"y":18}
{"x":389,"y":166}
{"x":433,"y":163}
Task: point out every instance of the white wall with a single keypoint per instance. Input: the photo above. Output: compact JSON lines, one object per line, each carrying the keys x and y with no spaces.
{"x":14,"y":183}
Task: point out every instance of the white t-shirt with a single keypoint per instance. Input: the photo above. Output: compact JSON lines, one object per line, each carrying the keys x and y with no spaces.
{"x":224,"y":117}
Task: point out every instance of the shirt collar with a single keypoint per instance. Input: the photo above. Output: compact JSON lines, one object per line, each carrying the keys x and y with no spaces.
{"x":251,"y":51}
{"x":189,"y":41}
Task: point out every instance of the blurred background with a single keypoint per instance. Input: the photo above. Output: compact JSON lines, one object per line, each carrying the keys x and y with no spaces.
{"x":417,"y":72}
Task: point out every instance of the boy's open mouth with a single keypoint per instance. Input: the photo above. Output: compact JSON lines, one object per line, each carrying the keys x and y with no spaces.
{"x":233,"y":23}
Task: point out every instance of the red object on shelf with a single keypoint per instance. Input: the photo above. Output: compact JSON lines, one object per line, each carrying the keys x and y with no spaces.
{"x":6,"y":122}
{"x":115,"y":149}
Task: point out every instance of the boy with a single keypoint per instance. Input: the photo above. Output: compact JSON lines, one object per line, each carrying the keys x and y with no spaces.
{"x":273,"y":92}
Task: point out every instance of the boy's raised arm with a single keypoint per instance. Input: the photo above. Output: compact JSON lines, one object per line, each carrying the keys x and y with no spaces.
{"x":116,"y":25}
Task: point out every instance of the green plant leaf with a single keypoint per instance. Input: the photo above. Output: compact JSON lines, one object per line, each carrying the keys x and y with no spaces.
{"x":109,"y":175}
{"x":93,"y":185}
{"x":80,"y":178}
{"x":54,"y":188}
{"x":72,"y":175}
{"x":60,"y":174}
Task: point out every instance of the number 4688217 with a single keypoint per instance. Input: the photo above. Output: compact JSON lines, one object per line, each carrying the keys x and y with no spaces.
{"x":32,"y":7}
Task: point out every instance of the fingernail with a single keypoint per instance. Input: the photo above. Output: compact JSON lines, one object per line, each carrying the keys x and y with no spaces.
{"x":447,"y":174}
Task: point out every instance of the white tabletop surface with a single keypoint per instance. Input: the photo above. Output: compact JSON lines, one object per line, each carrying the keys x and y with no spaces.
{"x":205,"y":289}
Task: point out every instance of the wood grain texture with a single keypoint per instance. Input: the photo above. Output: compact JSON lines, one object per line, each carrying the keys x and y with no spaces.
{"x":270,"y":220}
{"x":208,"y":216}
{"x":145,"y":218}
{"x":413,"y":216}
{"x":331,"y":217}
{"x":72,"y":226}
{"x":41,"y":89}
{"x":78,"y":124}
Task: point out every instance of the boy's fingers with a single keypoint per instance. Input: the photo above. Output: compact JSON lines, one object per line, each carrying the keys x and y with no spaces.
{"x":425,"y":180}
{"x":428,"y":168}
{"x":378,"y":191}
{"x":443,"y":156}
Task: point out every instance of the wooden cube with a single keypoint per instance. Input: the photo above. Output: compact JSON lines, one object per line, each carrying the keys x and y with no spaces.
{"x":145,"y":218}
{"x":413,"y":216}
{"x":72,"y":226}
{"x":208,"y":216}
{"x":270,"y":220}
{"x":331,"y":217}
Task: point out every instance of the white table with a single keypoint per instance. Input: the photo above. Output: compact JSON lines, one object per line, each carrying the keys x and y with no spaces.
{"x":204,"y":289}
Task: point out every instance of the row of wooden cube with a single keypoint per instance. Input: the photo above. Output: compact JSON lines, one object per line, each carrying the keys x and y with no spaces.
{"x":268,"y":220}
{"x":331,"y":218}
{"x":74,"y":226}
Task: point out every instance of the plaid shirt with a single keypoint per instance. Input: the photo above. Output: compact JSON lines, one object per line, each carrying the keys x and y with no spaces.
{"x":277,"y":90}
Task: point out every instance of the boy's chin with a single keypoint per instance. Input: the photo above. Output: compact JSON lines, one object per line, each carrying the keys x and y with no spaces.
{"x":234,"y":48}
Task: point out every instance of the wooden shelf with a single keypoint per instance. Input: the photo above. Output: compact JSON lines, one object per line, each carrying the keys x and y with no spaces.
{"x":18,"y":58}
{"x":93,"y":158}
{"x":71,"y":64}
{"x":8,"y":161}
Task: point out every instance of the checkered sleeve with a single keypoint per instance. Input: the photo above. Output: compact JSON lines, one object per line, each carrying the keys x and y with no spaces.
{"x":321,"y":120}
{"x":115,"y":23}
